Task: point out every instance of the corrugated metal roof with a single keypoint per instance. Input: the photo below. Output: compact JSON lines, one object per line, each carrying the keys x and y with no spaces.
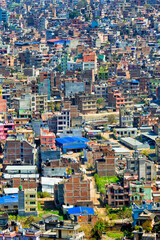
{"x":9,"y":199}
{"x":81,"y":211}
{"x":71,"y":139}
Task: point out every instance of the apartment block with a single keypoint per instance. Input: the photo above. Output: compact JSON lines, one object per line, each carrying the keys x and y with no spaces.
{"x":27,"y":202}
{"x":117,"y":195}
{"x":39,"y":103}
{"x":19,"y":151}
{"x":47,"y":138}
{"x":115,"y":98}
{"x":60,"y":121}
{"x":139,"y":164}
{"x":86,"y":103}
{"x":125,"y":117}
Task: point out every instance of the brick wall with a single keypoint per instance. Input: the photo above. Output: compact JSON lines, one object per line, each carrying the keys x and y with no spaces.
{"x":76,"y":189}
{"x":25,"y":183}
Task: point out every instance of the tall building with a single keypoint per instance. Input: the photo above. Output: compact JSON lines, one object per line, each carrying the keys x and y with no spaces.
{"x":27,"y":202}
{"x":60,"y":121}
{"x":19,"y":151}
{"x":47,"y":138}
{"x":125,"y":117}
{"x":3,"y":15}
{"x":73,"y":190}
{"x":139,"y":164}
{"x":64,"y":59}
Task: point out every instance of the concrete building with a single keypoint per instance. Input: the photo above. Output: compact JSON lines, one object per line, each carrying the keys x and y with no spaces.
{"x":63,"y":231}
{"x":39,"y":103}
{"x":117,"y":195}
{"x":90,"y":61}
{"x":125,"y":117}
{"x":100,"y":91}
{"x":71,"y":88}
{"x":115,"y":98}
{"x":140,"y":191}
{"x":125,"y":132}
{"x":47,"y":138}
{"x":60,"y":121}
{"x":27,"y":202}
{"x":139,"y":164}
{"x":86,"y":103}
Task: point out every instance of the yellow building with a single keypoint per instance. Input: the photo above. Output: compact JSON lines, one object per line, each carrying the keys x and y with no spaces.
{"x":27,"y":202}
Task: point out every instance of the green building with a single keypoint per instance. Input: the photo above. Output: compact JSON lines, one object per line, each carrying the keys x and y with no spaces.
{"x":140,"y":191}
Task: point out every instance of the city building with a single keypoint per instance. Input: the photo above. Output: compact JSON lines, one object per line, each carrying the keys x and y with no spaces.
{"x":27,"y":202}
{"x":140,"y":165}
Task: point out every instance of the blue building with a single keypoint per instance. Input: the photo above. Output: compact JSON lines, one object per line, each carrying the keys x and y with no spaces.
{"x":3,"y":15}
{"x":138,"y":209}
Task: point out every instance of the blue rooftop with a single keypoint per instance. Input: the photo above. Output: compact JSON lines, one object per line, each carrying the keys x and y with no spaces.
{"x":71,"y":140}
{"x":81,"y":211}
{"x":9,"y":199}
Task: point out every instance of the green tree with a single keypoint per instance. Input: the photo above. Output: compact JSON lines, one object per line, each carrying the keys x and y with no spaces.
{"x":98,"y":229}
{"x":74,"y":14}
{"x":111,"y":119}
{"x":99,"y":101}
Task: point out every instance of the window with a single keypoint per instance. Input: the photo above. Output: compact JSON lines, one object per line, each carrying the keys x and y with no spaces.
{"x":43,"y":139}
{"x":32,"y":196}
{"x":32,"y":203}
{"x":32,"y":209}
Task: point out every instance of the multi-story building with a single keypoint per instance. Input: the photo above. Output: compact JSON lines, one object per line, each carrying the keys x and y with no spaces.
{"x":19,"y":151}
{"x":116,"y":195}
{"x":90,"y":61}
{"x":60,"y":121}
{"x":72,"y":190}
{"x":47,"y":138}
{"x":105,"y":165}
{"x":39,"y":103}
{"x":86,"y":104}
{"x":25,"y":133}
{"x":27,"y":202}
{"x":3,"y":15}
{"x":4,"y":130}
{"x":140,"y":191}
{"x":125,"y":117}
{"x":115,"y":98}
{"x":100,"y":91}
{"x":145,"y":169}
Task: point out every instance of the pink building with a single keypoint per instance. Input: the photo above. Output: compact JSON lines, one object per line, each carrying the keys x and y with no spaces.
{"x":4,"y":127}
{"x":47,"y":138}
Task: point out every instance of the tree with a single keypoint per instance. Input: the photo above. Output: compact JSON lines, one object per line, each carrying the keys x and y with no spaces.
{"x":74,"y":14}
{"x":99,"y":101}
{"x":57,"y":107}
{"x":111,"y":119}
{"x":98,"y":229}
{"x":147,"y":226}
